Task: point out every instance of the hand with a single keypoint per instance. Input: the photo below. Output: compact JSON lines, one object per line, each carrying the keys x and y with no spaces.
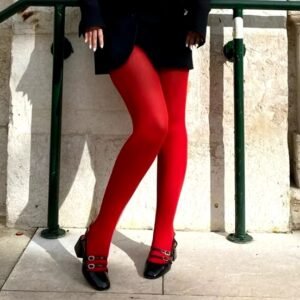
{"x":92,"y":35}
{"x":194,"y":39}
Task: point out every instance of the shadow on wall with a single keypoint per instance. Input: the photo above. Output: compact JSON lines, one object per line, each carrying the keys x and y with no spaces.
{"x":292,"y":92}
{"x":216,"y":109}
{"x":40,"y":123}
{"x":74,"y":142}
{"x":5,"y":98}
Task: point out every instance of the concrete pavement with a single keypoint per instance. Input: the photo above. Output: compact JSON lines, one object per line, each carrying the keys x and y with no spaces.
{"x":207,"y":267}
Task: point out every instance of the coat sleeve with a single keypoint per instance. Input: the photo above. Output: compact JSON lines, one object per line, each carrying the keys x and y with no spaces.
{"x":198,"y":11}
{"x":91,"y":15}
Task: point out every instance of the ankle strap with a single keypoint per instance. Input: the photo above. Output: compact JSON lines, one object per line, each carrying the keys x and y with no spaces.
{"x":167,"y":255}
{"x":163,"y":251}
{"x":93,"y":264}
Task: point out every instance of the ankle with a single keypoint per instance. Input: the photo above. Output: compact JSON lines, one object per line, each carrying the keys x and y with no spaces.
{"x":95,"y":258}
{"x":159,"y":256}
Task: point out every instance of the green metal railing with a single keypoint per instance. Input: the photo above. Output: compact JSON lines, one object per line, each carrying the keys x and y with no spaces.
{"x":233,"y":50}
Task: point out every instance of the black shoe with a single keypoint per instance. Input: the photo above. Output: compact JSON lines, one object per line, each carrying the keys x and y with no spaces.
{"x":97,"y":279}
{"x":155,"y":270}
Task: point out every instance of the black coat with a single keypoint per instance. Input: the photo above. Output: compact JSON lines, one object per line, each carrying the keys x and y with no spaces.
{"x":119,"y":20}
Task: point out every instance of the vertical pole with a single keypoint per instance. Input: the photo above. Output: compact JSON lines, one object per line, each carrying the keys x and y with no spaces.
{"x":240,"y":235}
{"x":53,"y":231}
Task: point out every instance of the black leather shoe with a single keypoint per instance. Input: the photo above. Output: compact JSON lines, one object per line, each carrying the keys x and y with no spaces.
{"x":97,"y":279}
{"x":155,"y":270}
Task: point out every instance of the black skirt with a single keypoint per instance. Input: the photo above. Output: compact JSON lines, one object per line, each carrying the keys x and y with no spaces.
{"x":157,"y":39}
{"x":159,"y":27}
{"x":158,"y":32}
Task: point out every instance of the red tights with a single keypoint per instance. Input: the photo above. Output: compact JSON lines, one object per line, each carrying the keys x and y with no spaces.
{"x":156,"y":102}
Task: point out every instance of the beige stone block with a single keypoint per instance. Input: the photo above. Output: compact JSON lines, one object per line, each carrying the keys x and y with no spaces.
{"x":266,"y":109}
{"x":3,"y":170}
{"x":295,"y":208}
{"x":30,"y":83}
{"x":93,"y":158}
{"x":89,"y":92}
{"x":79,"y":180}
{"x":40,"y":20}
{"x":5,"y":64}
{"x":27,"y":180}
{"x":34,"y":20}
{"x":72,"y":20}
{"x":5,"y":67}
{"x":7,"y":23}
{"x":90,"y":104}
{"x":1,"y":284}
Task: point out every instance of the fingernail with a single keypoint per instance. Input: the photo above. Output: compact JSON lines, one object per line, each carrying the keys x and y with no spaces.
{"x":94,"y":49}
{"x":90,"y":46}
{"x":101,"y":45}
{"x":196,"y":45}
{"x":186,"y":44}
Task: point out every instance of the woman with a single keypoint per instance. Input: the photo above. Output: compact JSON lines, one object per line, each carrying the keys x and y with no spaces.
{"x":146,"y":48}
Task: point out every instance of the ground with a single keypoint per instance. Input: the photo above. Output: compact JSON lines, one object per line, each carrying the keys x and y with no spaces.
{"x":207,"y":267}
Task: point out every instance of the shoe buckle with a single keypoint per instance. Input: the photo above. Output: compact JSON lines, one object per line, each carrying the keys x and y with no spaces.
{"x":91,"y":266}
{"x":91,"y":257}
{"x":166,"y":252}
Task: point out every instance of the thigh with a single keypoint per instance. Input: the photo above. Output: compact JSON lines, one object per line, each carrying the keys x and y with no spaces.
{"x":139,"y":85}
{"x":174,"y":82}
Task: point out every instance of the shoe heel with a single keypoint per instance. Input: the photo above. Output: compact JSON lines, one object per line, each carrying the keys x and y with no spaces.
{"x":174,"y":255}
{"x":79,"y":248}
{"x":174,"y":252}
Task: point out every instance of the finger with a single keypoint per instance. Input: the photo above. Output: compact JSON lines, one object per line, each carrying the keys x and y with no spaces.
{"x":85,"y":37}
{"x":90,"y":38}
{"x":197,"y":42}
{"x":94,"y":41}
{"x":101,"y":37}
{"x":192,"y":42}
{"x":188,"y":40}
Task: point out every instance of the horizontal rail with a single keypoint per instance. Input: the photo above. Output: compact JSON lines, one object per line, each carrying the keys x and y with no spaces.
{"x":229,"y":4}
{"x":257,"y":4}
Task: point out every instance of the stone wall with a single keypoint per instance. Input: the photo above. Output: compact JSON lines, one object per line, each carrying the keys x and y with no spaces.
{"x":5,"y":63}
{"x":294,"y":109}
{"x":96,"y":125}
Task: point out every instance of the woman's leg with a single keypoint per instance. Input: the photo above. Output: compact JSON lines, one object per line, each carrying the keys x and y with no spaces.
{"x":139,"y":85}
{"x":172,"y":158}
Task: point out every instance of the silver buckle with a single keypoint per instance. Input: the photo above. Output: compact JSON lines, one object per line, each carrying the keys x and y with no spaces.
{"x":91,"y":257}
{"x":91,"y":266}
{"x":166,"y":252}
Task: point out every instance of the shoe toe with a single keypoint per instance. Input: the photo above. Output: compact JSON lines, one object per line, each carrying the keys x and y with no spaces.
{"x":99,"y":280}
{"x":153,"y":270}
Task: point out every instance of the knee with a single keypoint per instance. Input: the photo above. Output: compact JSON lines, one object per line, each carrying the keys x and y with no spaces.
{"x":153,"y":130}
{"x":160,"y":127}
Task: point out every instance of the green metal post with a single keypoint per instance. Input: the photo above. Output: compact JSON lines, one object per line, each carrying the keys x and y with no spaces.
{"x":53,"y":231}
{"x":240,"y":235}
